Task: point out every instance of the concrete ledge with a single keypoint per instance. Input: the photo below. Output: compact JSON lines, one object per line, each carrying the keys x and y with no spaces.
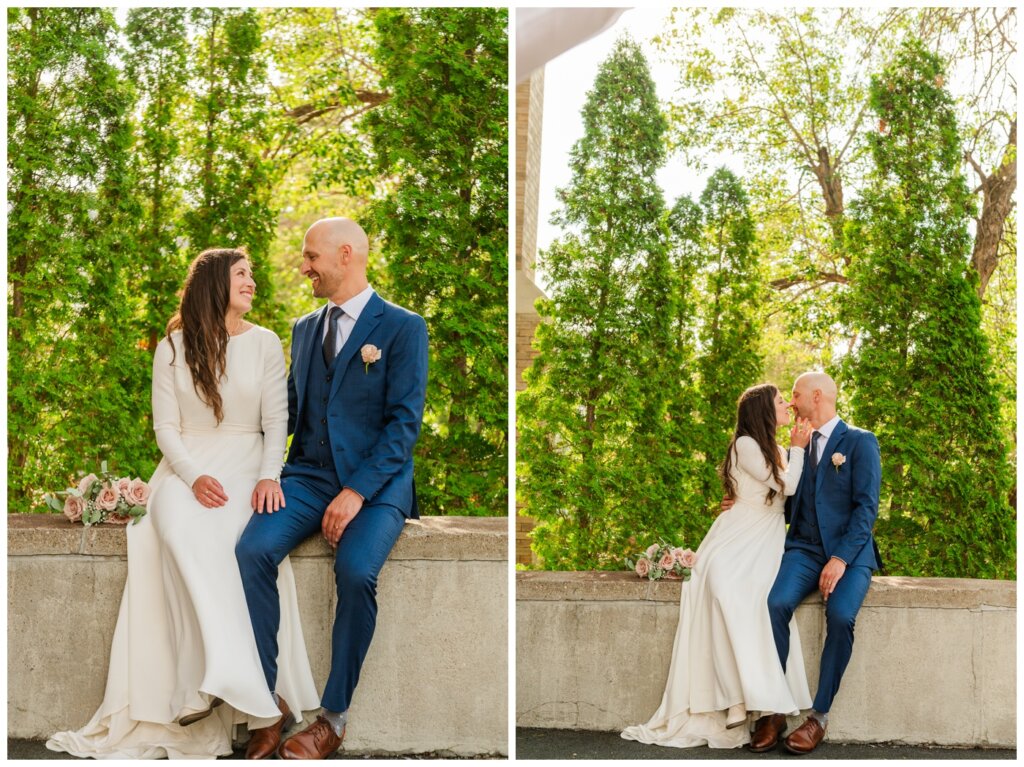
{"x":934,"y":660}
{"x":432,"y":538}
{"x":435,"y":678}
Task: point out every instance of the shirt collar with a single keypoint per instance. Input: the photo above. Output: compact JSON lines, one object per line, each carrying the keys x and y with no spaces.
{"x":355,"y":305}
{"x":826,"y":429}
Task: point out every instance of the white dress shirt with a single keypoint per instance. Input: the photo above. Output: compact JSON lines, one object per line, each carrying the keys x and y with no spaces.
{"x":824,"y":433}
{"x":352,"y":309}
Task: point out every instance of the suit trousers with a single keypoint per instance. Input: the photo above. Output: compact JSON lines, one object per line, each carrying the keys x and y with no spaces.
{"x":798,"y":576}
{"x":362,"y":551}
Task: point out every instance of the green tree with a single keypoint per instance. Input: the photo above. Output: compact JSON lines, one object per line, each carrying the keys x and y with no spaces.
{"x":597,"y":465}
{"x":442,"y":135}
{"x":229,"y":205}
{"x":157,"y":62}
{"x":324,"y":79}
{"x":729,"y":324}
{"x":74,"y":362}
{"x":922,"y":378}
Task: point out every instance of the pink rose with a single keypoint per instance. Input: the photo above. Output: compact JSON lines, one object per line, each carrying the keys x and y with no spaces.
{"x":687,"y":559}
{"x":86,"y":482}
{"x":652,"y":550}
{"x":118,"y":519}
{"x":370,"y":354}
{"x":123,"y":485}
{"x":108,"y":498}
{"x":138,"y":493}
{"x":667,"y":560}
{"x":73,"y":508}
{"x":643,"y":567}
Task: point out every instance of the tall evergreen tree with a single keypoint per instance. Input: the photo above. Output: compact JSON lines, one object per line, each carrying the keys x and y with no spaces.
{"x":442,"y":135}
{"x":229,"y":197}
{"x":733,"y":291}
{"x":595,"y":465}
{"x":157,"y":62}
{"x":921,"y":374}
{"x":74,"y":364}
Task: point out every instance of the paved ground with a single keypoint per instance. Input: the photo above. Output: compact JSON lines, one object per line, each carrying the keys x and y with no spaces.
{"x":573,"y":744}
{"x":34,"y":749}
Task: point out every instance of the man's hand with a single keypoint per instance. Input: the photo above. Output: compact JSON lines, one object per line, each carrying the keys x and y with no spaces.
{"x":830,"y":576}
{"x":727,"y":503}
{"x":339,"y":513}
{"x":267,"y":495}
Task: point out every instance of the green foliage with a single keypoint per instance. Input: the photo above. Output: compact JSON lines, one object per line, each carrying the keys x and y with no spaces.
{"x":237,"y":127}
{"x":442,"y":136}
{"x":601,"y":465}
{"x":74,"y":366}
{"x":224,"y":151}
{"x":732,"y":291}
{"x":157,"y":62}
{"x":921,"y":374}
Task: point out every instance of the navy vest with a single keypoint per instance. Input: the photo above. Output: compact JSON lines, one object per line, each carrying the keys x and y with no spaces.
{"x":805,"y":523}
{"x":314,"y":437}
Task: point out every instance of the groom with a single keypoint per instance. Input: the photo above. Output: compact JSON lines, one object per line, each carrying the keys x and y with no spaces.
{"x":829,"y":547}
{"x":356,"y":388}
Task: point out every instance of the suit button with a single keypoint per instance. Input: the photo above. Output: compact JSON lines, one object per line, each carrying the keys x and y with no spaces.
{"x":330,"y":378}
{"x":323,"y":420}
{"x":322,"y":442}
{"x":325,"y":400}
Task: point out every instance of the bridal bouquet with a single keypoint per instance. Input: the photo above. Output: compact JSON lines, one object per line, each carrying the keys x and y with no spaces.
{"x":103,"y":498}
{"x":663,"y":561}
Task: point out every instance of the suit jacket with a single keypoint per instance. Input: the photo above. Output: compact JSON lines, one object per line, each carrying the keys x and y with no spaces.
{"x":845,"y":498}
{"x":373,"y":413}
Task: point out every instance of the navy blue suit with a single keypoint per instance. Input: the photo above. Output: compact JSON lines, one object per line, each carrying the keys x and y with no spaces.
{"x":353,"y":426}
{"x":831,"y":514}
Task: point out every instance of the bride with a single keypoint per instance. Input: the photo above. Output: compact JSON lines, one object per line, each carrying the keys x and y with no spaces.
{"x":724,"y":663}
{"x":183,"y":662}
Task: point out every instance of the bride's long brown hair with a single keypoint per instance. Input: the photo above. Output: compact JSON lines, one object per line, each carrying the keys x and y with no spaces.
{"x":201,"y":320}
{"x":755,"y":418}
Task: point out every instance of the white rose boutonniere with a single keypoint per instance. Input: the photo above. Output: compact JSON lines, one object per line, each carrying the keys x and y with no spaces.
{"x":838,"y":459}
{"x":370,"y":354}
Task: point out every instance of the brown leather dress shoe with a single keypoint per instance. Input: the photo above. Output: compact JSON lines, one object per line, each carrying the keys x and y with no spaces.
{"x":199,"y":716}
{"x":767,"y":731}
{"x":317,"y":741}
{"x":265,"y":740}
{"x":805,"y":738}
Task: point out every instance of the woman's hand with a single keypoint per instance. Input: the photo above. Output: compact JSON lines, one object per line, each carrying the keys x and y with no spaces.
{"x":267,"y":496}
{"x":209,"y":492}
{"x":800,"y":434}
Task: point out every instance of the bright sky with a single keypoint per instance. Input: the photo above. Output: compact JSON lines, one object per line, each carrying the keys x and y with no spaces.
{"x":567,"y":79}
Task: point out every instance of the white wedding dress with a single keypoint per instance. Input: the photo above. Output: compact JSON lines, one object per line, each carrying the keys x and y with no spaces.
{"x":183,"y":634}
{"x":724,"y":662}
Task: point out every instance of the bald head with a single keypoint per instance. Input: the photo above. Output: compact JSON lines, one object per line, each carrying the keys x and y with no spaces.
{"x":334,"y":233}
{"x":334,"y":256}
{"x":814,"y":397}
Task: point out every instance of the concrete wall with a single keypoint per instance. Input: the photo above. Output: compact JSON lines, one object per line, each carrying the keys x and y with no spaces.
{"x":934,"y":660}
{"x":441,"y":645}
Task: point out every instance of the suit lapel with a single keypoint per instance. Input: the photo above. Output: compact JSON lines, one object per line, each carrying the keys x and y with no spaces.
{"x":307,"y":349}
{"x":833,"y":442}
{"x":369,"y":318}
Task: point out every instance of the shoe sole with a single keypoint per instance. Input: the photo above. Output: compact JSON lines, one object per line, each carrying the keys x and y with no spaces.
{"x":198,"y":716}
{"x":792,"y":750}
{"x":762,"y":749}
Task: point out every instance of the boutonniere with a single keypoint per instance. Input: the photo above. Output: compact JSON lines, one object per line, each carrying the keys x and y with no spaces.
{"x":370,"y":355}
{"x":838,"y":459}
